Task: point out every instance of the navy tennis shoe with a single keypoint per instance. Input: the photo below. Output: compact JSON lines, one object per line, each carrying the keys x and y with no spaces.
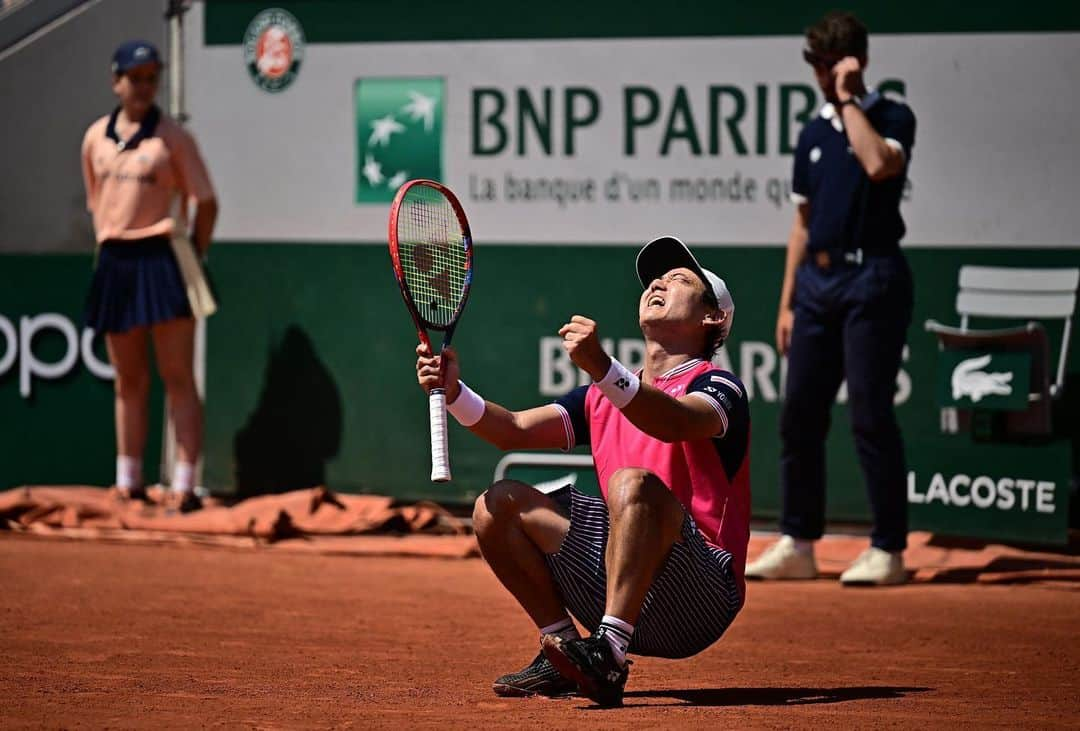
{"x":591,"y":665}
{"x":539,"y":678}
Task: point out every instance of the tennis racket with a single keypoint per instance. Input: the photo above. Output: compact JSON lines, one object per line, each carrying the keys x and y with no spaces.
{"x":431,"y":249}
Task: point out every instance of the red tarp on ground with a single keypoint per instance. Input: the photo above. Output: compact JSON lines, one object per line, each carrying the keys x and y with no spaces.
{"x":317,"y":513}
{"x":319,"y":521}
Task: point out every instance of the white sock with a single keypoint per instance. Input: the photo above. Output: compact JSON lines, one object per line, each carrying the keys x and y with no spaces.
{"x":563,"y":629}
{"x":183,"y":479}
{"x":128,"y":472}
{"x":803,"y":546}
{"x":618,"y":634}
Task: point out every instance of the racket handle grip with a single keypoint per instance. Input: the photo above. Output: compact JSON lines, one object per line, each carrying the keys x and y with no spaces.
{"x":440,"y":452}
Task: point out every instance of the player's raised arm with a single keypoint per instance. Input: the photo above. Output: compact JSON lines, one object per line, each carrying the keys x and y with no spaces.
{"x":673,"y":420}
{"x":648,"y":408}
{"x":542,"y":427}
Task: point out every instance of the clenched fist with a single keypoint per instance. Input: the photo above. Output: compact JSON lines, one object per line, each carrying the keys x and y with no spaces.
{"x":433,"y":371}
{"x":582,"y":342}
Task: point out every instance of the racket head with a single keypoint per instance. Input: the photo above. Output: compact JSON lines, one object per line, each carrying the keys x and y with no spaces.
{"x":431,"y":249}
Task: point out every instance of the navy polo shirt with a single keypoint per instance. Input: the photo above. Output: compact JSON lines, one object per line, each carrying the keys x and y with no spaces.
{"x":847,"y":211}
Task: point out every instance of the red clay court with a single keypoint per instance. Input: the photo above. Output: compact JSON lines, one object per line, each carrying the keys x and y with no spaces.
{"x":143,"y":630}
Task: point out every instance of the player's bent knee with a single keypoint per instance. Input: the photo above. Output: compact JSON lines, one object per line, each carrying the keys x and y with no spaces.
{"x":504,"y":500}
{"x":628,"y":478}
{"x":480,"y":515}
{"x":632,"y":485}
{"x":512,"y":506}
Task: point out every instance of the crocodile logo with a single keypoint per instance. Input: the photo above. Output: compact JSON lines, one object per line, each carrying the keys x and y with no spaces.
{"x":968,"y":379}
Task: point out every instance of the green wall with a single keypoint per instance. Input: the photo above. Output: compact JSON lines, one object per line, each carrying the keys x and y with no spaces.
{"x":63,"y":432}
{"x":310,"y":369}
{"x":314,"y":342}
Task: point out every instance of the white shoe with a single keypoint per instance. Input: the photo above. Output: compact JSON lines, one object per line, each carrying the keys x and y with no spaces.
{"x":781,"y":560}
{"x":875,"y":567}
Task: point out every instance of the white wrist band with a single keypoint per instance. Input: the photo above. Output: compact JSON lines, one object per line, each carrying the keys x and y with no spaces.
{"x":468,"y":408}
{"x":619,"y":385}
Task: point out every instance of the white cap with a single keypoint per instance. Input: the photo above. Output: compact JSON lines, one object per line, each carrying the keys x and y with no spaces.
{"x":664,"y":253}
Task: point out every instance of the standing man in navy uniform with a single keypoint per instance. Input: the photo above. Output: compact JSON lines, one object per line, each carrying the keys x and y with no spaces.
{"x":845,"y":306}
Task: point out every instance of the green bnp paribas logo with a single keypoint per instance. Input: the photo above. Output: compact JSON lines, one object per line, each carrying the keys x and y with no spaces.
{"x":398,"y":135}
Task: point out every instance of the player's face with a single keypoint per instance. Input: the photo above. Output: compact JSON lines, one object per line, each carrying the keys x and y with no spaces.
{"x":675,"y":297}
{"x":137,"y":87}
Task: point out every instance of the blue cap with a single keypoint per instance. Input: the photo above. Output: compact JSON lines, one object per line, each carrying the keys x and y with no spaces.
{"x":132,"y":54}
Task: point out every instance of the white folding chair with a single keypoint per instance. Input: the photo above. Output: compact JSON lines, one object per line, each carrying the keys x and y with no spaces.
{"x":1015,"y":294}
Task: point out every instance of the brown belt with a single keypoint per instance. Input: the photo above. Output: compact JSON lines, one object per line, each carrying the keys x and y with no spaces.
{"x":827,"y":259}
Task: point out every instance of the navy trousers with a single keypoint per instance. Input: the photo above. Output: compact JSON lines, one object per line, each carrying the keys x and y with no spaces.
{"x":851,"y":322}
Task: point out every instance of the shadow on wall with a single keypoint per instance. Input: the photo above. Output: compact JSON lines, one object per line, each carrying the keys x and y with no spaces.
{"x":296,"y":426}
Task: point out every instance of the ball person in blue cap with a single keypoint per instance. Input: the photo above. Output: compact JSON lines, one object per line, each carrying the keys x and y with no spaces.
{"x":845,"y":306}
{"x":143,"y":172}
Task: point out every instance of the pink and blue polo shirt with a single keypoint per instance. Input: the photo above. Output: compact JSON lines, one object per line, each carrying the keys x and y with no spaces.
{"x":710,"y":477}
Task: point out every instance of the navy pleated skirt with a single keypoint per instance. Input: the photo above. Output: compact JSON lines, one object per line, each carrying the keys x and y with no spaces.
{"x":135,"y":284}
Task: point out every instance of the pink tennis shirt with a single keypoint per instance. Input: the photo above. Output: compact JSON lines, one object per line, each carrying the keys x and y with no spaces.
{"x":710,"y":477}
{"x":131,"y":184}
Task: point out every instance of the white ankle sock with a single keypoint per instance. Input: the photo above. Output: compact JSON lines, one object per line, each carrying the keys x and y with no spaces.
{"x":563,"y":629}
{"x":128,"y":472}
{"x":802,"y":545}
{"x":618,"y":634}
{"x":183,"y":479}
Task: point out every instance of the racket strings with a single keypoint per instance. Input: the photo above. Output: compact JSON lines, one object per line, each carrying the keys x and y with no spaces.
{"x":432,"y":254}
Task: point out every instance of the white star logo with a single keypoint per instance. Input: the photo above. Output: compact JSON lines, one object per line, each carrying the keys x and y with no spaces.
{"x":382,"y":128}
{"x":399,"y":177}
{"x":421,"y":107}
{"x":372,"y":170}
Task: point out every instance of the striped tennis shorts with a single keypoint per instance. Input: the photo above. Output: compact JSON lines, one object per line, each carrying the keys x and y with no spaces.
{"x":690,"y":603}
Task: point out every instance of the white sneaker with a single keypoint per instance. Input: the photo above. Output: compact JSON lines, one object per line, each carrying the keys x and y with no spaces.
{"x":781,"y":560}
{"x":875,"y":567}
